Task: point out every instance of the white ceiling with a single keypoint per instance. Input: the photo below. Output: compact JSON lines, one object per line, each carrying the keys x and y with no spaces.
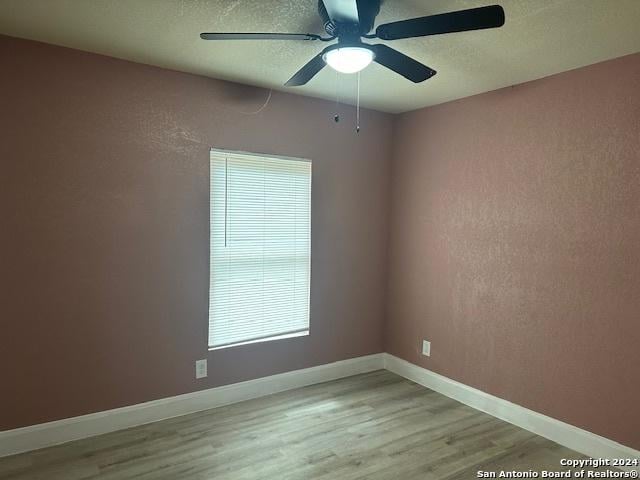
{"x":540,"y":38}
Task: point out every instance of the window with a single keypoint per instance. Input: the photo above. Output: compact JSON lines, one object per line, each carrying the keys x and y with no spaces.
{"x":260,"y":248}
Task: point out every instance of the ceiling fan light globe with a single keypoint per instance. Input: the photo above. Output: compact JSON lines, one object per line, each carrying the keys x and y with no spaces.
{"x":348,"y":59}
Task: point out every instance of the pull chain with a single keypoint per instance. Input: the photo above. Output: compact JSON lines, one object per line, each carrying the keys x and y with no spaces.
{"x":336,"y":117}
{"x":358,"y":107}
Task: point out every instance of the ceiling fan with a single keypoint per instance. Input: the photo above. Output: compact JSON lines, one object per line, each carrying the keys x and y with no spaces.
{"x":350,"y":21}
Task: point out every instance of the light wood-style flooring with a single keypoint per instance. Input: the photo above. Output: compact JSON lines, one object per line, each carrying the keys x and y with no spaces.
{"x":372,"y":426}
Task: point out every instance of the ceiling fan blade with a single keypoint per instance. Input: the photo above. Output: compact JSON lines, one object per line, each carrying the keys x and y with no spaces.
{"x":342,"y":11}
{"x":402,"y":64}
{"x":259,"y":36}
{"x":480,"y":18}
{"x":307,"y":72}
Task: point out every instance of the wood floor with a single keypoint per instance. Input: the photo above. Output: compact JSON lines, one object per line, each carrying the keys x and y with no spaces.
{"x":373,"y":426}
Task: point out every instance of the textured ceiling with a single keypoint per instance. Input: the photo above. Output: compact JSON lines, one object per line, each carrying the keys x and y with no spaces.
{"x":540,"y":38}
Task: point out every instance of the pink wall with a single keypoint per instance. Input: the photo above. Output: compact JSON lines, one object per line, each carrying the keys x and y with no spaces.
{"x":515,"y":245}
{"x":514,"y":236}
{"x":104,"y":243}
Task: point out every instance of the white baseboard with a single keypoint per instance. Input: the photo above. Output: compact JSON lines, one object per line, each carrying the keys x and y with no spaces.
{"x":62,"y":431}
{"x":575,"y":438}
{"x":66,"y":430}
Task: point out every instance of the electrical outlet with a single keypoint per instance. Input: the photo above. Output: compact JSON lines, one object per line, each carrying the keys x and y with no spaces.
{"x":426,"y":348}
{"x":201,"y":368}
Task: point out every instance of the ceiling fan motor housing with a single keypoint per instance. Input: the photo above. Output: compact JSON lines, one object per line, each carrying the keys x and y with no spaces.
{"x":367,"y":12}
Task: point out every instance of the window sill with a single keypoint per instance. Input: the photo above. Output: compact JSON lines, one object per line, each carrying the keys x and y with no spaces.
{"x":261,"y":340}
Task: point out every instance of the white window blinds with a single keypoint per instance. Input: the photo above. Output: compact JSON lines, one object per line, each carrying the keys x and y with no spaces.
{"x":260,"y":247}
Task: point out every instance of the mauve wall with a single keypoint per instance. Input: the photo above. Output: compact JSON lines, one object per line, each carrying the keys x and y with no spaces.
{"x":515,"y":245}
{"x":104,"y":238}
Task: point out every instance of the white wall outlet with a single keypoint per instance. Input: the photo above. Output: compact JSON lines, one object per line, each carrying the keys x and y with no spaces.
{"x":426,"y":348}
{"x":201,"y":368}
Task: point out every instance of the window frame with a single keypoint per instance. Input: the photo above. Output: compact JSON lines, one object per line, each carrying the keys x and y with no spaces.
{"x":270,"y":338}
